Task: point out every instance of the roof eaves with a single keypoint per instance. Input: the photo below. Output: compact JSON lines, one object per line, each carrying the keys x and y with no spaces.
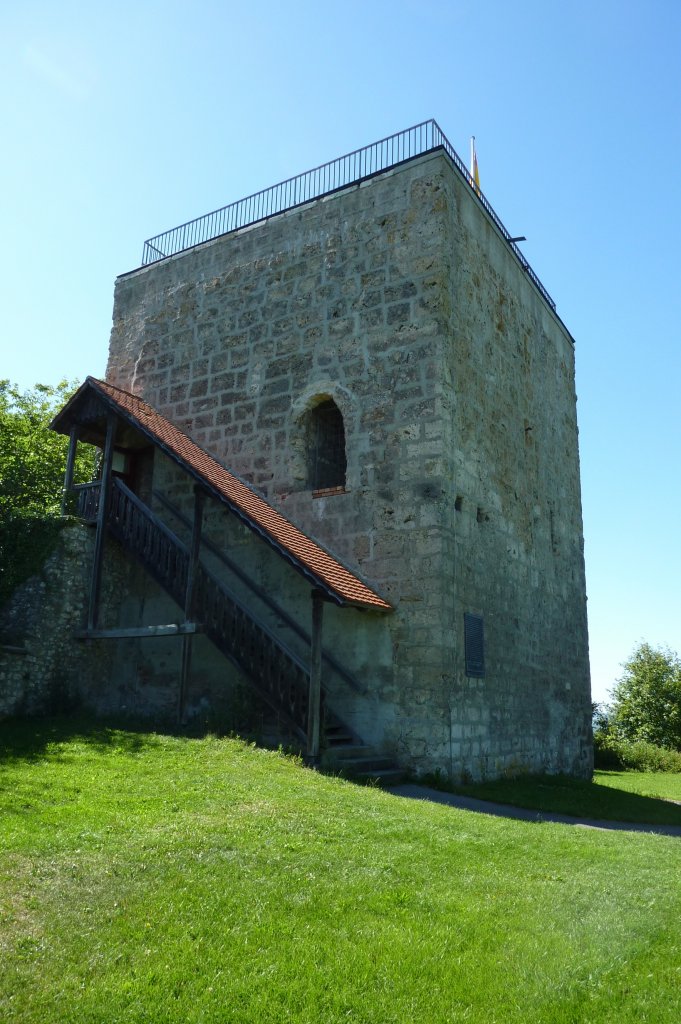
{"x":314,"y":578}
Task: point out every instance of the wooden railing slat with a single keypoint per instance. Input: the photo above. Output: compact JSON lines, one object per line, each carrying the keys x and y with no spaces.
{"x":276,"y":672}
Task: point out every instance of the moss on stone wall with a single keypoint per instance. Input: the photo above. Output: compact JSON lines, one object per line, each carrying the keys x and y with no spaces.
{"x":43,"y":668}
{"x":25,"y":545}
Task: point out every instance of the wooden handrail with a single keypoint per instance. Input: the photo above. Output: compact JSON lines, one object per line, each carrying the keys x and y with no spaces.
{"x":277,"y":673}
{"x":264,"y":596}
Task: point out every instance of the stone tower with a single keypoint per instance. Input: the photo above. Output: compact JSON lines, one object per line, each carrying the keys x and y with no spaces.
{"x":379,"y":362}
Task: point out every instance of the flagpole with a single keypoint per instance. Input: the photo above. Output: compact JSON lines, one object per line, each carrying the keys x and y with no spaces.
{"x":475,"y":177}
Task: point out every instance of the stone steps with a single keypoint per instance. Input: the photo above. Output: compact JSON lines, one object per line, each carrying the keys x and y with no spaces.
{"x":343,"y":755}
{"x":363,"y":764}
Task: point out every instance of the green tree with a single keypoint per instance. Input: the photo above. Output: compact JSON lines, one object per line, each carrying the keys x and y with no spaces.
{"x":647,"y":699}
{"x":32,"y":466}
{"x":33,"y":457}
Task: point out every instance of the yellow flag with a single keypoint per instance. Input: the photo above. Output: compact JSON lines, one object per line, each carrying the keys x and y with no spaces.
{"x":475,"y":176}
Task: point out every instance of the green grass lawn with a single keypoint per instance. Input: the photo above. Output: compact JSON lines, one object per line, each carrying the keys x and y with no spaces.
{"x":617,"y":796}
{"x":149,"y":878}
{"x":660,"y":785}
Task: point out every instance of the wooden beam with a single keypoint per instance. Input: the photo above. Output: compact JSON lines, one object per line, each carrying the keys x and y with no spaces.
{"x":314,"y":705}
{"x":126,"y":632}
{"x":104,"y":490}
{"x":264,"y":595}
{"x":70,"y":462}
{"x":194,"y":553}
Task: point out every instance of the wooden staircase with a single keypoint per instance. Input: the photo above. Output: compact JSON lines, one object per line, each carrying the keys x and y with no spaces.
{"x":277,"y":673}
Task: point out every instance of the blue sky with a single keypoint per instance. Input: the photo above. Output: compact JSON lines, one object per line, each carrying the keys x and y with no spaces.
{"x":123,"y":120}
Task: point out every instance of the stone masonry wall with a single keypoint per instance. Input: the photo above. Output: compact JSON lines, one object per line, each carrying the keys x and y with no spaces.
{"x":400,"y":301}
{"x":345,"y":298}
{"x":359,"y":639}
{"x":44,"y":669}
{"x":55,"y":671}
{"x":514,"y":515}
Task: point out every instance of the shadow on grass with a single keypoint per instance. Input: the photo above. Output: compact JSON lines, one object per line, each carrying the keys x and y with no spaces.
{"x":560,"y":794}
{"x":37,"y":739}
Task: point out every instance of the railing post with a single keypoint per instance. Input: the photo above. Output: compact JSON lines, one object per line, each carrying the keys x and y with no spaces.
{"x":189,"y":600}
{"x":70,"y":462}
{"x":314,"y":704}
{"x":104,"y":490}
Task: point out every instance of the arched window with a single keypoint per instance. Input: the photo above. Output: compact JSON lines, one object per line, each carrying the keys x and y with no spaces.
{"x":326,"y":461}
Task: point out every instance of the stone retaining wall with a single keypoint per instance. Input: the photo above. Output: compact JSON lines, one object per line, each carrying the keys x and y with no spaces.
{"x":44,"y":668}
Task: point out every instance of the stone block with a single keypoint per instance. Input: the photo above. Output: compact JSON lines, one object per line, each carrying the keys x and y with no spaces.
{"x":400,"y":300}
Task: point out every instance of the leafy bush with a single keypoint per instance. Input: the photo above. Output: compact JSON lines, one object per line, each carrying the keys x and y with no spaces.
{"x":32,"y":466}
{"x":606,"y":753}
{"x":26,"y":542}
{"x":641,"y":730}
{"x":647,"y":699}
{"x":640,"y":755}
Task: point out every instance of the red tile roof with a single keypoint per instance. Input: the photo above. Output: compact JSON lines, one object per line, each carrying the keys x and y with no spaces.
{"x":306,"y":555}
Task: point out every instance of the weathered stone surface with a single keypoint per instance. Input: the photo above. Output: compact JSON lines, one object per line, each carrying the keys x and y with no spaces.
{"x":455,"y":380}
{"x":43,"y":669}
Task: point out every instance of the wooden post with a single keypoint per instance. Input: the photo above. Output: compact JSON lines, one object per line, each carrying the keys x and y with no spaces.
{"x":104,"y":491}
{"x":315,"y":696}
{"x":70,"y":462}
{"x":194,"y":552}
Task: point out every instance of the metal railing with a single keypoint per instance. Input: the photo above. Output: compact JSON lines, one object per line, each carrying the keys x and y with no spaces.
{"x":338,"y":174}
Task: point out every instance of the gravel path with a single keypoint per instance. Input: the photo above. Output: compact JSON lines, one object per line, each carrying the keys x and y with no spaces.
{"x":469,"y":803}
